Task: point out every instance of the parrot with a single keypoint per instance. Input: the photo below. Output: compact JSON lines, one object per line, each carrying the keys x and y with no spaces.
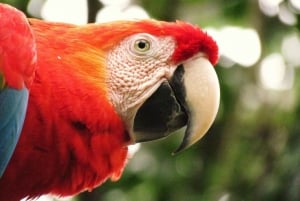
{"x":17,"y":67}
{"x":99,"y":88}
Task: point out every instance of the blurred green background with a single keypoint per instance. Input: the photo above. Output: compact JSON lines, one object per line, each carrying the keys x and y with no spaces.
{"x":252,"y":151}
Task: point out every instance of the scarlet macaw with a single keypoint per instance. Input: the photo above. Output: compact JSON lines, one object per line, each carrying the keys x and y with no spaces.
{"x":101,"y":87}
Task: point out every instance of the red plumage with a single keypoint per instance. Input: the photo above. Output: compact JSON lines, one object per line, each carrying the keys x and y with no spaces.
{"x":72,"y":138}
{"x":17,"y":67}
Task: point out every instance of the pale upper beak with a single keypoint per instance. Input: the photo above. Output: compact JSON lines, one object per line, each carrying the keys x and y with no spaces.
{"x":202,"y":99}
{"x":191,"y":97}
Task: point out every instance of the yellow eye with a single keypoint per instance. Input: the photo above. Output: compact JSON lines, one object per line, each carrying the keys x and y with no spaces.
{"x":142,"y":45}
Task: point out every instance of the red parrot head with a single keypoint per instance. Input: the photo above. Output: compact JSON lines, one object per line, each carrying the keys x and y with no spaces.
{"x":161,"y":78}
{"x":158,"y":76}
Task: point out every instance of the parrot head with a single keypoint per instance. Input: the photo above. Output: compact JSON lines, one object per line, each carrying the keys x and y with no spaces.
{"x":161,"y":78}
{"x":16,"y":67}
{"x":158,"y":76}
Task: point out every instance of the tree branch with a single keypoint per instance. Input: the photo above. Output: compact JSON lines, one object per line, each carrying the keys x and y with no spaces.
{"x":93,"y":7}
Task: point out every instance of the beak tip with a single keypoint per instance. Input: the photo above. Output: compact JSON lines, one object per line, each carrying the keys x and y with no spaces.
{"x":186,"y":142}
{"x":180,"y":149}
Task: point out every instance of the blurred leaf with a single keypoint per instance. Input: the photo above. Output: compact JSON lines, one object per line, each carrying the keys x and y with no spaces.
{"x":20,"y":4}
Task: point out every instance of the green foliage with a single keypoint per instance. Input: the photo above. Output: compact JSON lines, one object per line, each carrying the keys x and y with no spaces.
{"x":165,"y":9}
{"x":20,"y":4}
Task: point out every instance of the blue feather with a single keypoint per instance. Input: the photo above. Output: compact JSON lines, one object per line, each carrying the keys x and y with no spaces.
{"x":13,"y":105}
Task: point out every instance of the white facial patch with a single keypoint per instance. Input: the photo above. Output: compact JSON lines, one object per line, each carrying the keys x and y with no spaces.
{"x":137,"y":67}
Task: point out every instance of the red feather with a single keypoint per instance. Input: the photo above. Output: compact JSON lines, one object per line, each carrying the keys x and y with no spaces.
{"x":17,"y":66}
{"x":190,"y":38}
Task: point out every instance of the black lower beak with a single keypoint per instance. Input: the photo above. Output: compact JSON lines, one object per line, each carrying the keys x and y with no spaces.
{"x":161,"y":114}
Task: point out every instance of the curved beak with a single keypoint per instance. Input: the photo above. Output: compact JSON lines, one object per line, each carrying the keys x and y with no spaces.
{"x":201,"y":101}
{"x":191,"y":97}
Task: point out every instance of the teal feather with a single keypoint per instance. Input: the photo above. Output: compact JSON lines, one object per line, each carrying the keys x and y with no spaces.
{"x":13,"y":105}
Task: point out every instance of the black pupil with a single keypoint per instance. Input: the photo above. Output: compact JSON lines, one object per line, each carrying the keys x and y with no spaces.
{"x":142,"y":44}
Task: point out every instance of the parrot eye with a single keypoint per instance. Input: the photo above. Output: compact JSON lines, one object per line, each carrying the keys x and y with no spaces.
{"x":141,"y":45}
